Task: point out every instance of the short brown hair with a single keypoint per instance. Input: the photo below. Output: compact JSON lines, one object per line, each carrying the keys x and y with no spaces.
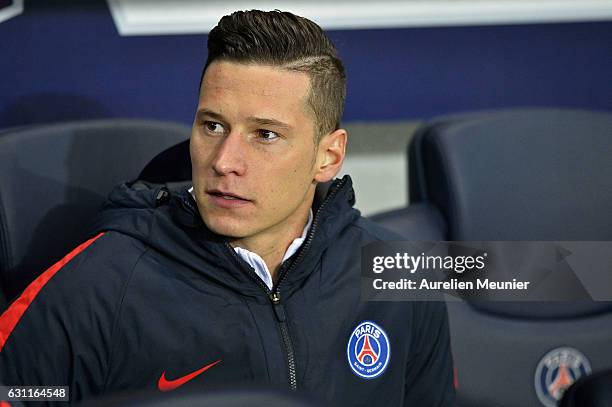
{"x":289,"y":42}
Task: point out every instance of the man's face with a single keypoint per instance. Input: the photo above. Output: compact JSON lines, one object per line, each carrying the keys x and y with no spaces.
{"x":253,"y":149}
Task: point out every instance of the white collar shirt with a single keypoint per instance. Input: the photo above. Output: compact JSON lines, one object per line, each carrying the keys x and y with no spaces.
{"x":259,"y":265}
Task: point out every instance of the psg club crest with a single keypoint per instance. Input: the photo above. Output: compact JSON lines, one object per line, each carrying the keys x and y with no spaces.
{"x":368,"y":350}
{"x":558,"y":370}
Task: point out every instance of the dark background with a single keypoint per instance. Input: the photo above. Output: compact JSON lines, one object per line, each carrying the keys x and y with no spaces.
{"x":64,"y":60}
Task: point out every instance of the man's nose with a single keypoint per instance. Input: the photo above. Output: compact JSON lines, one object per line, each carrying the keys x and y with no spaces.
{"x":229,"y":157}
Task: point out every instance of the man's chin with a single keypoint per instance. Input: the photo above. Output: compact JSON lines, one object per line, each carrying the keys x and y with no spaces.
{"x":227,"y":228}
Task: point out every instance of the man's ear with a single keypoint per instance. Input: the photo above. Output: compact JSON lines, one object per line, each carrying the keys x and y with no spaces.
{"x":330,"y":155}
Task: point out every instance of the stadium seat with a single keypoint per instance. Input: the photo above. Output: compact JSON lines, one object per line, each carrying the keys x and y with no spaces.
{"x":420,"y":221}
{"x":172,"y":165}
{"x":54,"y":178}
{"x":526,"y":174}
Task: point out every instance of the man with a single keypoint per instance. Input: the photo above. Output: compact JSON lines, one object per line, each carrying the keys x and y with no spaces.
{"x":246,"y":278}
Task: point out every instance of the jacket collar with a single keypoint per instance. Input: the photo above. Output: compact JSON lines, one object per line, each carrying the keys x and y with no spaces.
{"x":137,"y":210}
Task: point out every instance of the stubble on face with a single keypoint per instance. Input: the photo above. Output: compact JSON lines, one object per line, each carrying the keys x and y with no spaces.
{"x":276,"y":178}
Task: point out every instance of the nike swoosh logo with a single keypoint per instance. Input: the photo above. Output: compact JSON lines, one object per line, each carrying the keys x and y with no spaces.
{"x":166,"y":385}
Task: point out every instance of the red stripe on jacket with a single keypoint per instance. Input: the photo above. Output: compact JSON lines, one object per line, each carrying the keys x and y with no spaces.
{"x":13,"y":314}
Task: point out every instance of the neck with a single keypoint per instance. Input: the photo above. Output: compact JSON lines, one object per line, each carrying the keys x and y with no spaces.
{"x":271,"y":245}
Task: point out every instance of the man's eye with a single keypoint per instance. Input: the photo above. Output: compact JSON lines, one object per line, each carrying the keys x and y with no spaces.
{"x":214,"y":127}
{"x":267,"y":135}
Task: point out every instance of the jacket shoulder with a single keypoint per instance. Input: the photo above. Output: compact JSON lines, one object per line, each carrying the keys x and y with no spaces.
{"x":375,"y":232}
{"x":63,"y":321}
{"x":109,"y":257}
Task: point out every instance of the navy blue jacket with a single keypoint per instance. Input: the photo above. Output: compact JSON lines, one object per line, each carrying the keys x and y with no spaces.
{"x":155,"y":296}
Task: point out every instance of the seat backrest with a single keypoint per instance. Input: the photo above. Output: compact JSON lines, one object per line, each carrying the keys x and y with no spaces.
{"x":419,"y":221}
{"x":533,"y":174}
{"x":527,"y":174}
{"x":53,"y":179}
{"x":171,"y":165}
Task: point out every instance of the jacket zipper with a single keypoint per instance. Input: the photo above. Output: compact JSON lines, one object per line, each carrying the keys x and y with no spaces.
{"x":274,"y":294}
{"x":284,"y":271}
{"x":279,"y":313}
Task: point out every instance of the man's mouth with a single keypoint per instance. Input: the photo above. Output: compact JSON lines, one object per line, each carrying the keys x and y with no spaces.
{"x":226,"y":195}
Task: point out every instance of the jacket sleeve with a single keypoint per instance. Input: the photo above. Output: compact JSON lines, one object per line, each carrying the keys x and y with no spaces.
{"x":429,"y":373}
{"x":58,"y":332}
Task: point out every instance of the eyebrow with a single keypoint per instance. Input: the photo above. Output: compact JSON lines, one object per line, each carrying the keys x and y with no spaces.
{"x":262,"y":121}
{"x":210,"y":113}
